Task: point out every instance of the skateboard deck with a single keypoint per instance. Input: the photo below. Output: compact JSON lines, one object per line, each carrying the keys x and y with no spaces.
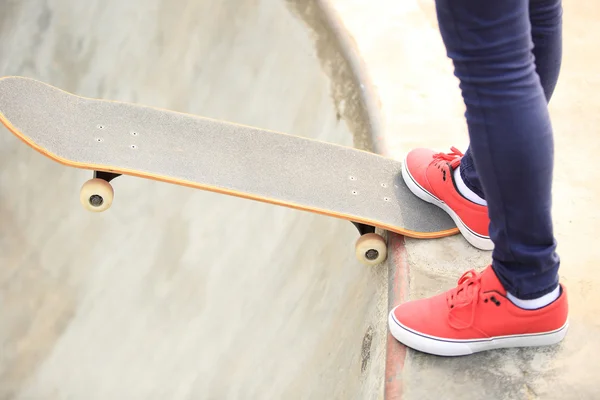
{"x":129,"y":139}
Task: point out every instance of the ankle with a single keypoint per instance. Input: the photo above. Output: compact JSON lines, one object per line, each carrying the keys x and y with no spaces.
{"x":536,"y":303}
{"x":464,"y":190}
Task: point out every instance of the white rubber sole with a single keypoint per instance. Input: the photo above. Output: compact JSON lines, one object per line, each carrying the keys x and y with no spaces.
{"x":479,"y":241}
{"x":452,"y":348}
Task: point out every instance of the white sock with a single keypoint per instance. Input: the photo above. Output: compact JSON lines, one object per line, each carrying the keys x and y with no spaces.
{"x":535,"y":303}
{"x":465,"y":191}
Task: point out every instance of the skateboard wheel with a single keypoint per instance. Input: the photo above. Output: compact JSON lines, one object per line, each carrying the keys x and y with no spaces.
{"x":371,"y":249}
{"x":96,"y":195}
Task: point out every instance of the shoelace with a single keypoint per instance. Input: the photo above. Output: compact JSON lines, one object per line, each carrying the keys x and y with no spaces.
{"x":466,"y":294}
{"x":454,"y":157}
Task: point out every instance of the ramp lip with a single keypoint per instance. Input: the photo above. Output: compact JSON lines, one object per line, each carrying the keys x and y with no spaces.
{"x":368,"y":94}
{"x":398,"y":269}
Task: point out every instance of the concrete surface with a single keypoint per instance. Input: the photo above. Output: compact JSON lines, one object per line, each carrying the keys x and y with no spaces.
{"x":421,"y":106}
{"x":177,"y":293}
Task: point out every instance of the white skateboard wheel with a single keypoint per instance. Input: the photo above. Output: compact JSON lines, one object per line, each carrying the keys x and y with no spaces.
{"x":371,"y":249}
{"x":96,"y":195}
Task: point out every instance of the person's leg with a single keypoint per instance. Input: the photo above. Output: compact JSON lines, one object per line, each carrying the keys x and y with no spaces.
{"x":545,"y":17}
{"x":510,"y":131}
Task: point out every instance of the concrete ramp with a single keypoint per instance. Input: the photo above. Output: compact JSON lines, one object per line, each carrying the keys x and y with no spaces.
{"x":176,"y":293}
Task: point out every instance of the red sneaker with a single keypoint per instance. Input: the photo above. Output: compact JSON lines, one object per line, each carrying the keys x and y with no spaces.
{"x":476,"y":316}
{"x":429,"y":175}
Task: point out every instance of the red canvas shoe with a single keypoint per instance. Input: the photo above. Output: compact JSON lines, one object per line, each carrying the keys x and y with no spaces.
{"x":476,"y":316}
{"x":429,"y":175}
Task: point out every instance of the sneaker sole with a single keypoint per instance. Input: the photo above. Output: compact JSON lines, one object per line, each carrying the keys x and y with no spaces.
{"x":479,"y":241}
{"x":452,"y":348}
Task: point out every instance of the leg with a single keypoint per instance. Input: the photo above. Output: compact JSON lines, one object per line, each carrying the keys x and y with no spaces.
{"x":545,"y":17}
{"x":491,"y":47}
{"x":511,"y":138}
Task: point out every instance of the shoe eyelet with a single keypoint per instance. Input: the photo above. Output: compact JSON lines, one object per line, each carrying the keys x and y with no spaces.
{"x":486,"y":300}
{"x":495,"y":301}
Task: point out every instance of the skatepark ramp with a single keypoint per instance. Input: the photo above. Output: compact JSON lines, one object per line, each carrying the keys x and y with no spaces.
{"x":178,"y":293}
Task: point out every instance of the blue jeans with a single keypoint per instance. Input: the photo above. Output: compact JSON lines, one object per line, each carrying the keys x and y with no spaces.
{"x":507,"y":57}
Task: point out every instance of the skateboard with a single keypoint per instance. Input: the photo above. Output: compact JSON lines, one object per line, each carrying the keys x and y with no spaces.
{"x":114,"y":138}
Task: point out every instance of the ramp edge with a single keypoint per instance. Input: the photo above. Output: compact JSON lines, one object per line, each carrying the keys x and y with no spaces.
{"x":398,"y":269}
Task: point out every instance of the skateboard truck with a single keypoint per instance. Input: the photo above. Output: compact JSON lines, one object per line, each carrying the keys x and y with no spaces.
{"x":97,"y":195}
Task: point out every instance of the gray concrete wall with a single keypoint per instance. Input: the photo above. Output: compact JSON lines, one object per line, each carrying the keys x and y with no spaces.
{"x":176,"y":293}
